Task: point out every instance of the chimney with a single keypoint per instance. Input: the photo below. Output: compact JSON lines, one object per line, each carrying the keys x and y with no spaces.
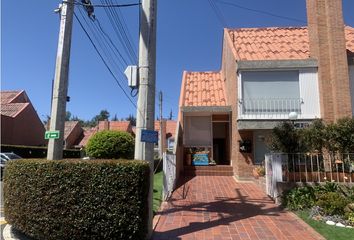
{"x":328,"y":46}
{"x":103,"y":125}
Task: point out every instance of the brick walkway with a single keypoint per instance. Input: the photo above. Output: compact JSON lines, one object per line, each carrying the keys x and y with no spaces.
{"x":210,"y":207}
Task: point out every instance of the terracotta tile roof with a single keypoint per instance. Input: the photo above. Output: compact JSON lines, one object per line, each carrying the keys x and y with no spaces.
{"x":88,"y":133}
{"x":7,"y":96}
{"x":12,"y":109}
{"x":349,"y":35}
{"x":120,"y":126}
{"x":278,"y":43}
{"x":202,"y":89}
{"x":69,"y":127}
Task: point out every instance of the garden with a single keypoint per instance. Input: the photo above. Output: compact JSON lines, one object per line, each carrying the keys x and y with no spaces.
{"x":321,"y":156}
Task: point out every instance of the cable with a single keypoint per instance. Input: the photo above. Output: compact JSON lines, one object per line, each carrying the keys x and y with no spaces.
{"x":103,"y":60}
{"x":259,"y":11}
{"x":218,"y":13}
{"x":105,"y":5}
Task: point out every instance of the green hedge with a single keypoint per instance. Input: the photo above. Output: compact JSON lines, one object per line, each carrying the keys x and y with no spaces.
{"x":77,"y":199}
{"x":36,"y":152}
{"x":111,"y":145}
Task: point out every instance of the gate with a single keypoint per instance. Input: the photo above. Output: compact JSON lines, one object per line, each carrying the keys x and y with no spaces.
{"x":273,"y":167}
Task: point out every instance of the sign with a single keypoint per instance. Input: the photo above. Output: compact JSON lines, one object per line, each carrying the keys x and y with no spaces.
{"x":51,"y":135}
{"x":149,"y":136}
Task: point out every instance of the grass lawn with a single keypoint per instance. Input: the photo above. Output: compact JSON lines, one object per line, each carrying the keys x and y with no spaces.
{"x":157,"y":191}
{"x":329,"y":232}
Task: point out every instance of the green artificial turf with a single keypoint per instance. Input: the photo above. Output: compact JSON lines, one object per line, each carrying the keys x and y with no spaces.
{"x":327,"y":231}
{"x":157,"y":191}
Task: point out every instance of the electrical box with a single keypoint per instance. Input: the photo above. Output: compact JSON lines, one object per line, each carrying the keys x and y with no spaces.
{"x":131,"y":72}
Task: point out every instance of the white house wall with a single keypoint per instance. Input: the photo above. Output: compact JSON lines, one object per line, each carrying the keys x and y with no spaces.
{"x":351,"y":77}
{"x":309,"y":92}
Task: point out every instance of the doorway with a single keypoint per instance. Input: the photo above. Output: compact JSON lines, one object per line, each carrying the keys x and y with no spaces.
{"x":221,"y":143}
{"x":261,"y":148}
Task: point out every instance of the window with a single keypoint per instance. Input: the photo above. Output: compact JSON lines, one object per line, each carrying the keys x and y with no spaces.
{"x":197,"y":131}
{"x":270,"y":91}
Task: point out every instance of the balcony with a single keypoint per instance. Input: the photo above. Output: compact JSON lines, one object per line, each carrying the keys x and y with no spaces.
{"x":269,"y":108}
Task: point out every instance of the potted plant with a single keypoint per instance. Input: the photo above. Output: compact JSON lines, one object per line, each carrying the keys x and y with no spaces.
{"x":258,"y":171}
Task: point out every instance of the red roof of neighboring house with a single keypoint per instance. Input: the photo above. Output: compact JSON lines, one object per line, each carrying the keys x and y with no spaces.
{"x":12,"y":109}
{"x":202,"y":89}
{"x":276,"y":43}
{"x":69,"y":127}
{"x":13,"y":102}
{"x":88,"y":133}
{"x":120,"y":126}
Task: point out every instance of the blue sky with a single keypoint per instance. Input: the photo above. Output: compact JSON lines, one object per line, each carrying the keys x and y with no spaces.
{"x":189,"y":38}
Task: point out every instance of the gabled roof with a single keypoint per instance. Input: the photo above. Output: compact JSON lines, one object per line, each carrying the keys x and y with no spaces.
{"x":88,"y":133}
{"x":202,"y":89}
{"x":276,"y":43}
{"x":69,"y":127}
{"x":13,"y":102}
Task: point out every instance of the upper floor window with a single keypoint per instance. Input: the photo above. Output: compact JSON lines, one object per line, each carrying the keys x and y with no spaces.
{"x":270,"y":92}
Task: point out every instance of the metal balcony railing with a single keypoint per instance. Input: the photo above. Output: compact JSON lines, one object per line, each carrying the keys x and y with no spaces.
{"x":263,"y":107}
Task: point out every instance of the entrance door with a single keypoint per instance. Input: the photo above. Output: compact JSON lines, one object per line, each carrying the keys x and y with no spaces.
{"x":260,"y":145}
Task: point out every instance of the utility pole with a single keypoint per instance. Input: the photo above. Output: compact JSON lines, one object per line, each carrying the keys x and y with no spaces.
{"x":161,"y":142}
{"x":60,"y":88}
{"x":146,"y":99}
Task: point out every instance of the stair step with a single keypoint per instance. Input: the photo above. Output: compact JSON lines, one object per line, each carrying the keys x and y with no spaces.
{"x":218,"y":170}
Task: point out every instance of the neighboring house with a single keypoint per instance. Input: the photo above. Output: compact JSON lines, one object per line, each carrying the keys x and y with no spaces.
{"x":73,"y":134}
{"x":20,"y":124}
{"x":266,"y":74}
{"x":88,"y":133}
{"x":169,"y":129}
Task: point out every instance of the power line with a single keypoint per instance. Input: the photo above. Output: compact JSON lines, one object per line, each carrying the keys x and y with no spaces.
{"x":259,"y":11}
{"x":118,"y":29}
{"x":106,"y":5}
{"x":218,"y":13}
{"x":104,"y":62}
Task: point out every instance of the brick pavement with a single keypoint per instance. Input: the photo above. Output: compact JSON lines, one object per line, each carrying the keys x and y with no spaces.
{"x":218,"y":207}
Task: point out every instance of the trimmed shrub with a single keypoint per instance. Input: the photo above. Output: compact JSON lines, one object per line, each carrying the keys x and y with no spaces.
{"x":332,"y":203}
{"x":111,"y":145}
{"x":77,"y":199}
{"x":37,"y":152}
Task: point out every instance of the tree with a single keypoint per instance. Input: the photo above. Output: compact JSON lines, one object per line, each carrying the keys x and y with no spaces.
{"x":171,"y":115}
{"x":131,"y":119}
{"x":115,"y":118}
{"x":103,"y":115}
{"x":68,"y":116}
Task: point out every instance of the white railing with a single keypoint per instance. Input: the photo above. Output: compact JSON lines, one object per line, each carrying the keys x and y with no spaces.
{"x":301,"y":167}
{"x":268,"y":108}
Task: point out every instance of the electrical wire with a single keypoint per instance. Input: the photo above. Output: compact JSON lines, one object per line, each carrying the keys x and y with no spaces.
{"x":105,"y":5}
{"x":104,"y":61}
{"x":218,"y":13}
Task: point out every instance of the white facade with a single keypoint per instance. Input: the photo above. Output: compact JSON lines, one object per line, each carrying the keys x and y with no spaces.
{"x":288,"y":91}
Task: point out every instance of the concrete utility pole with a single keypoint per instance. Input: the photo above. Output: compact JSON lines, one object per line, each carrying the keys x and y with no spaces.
{"x":60,"y":89}
{"x":146,"y":100}
{"x":161,"y":142}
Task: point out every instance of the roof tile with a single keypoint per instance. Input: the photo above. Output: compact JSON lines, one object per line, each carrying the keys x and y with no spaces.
{"x":204,"y":89}
{"x":277,"y":43}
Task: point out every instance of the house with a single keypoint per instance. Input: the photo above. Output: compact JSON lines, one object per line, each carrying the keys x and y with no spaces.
{"x":267,"y":75}
{"x":169,"y":129}
{"x":20,"y":124}
{"x":73,"y":134}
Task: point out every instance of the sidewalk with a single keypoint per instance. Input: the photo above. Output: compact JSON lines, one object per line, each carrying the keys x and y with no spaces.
{"x":211,"y":207}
